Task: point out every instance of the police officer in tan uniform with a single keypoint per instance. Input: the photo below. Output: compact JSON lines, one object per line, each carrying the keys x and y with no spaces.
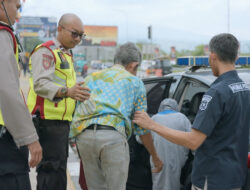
{"x":17,"y":132}
{"x":51,"y":99}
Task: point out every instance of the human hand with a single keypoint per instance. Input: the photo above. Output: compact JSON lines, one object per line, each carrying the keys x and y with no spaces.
{"x":158,"y":165}
{"x":143,"y":120}
{"x":36,"y":154}
{"x":78,"y":92}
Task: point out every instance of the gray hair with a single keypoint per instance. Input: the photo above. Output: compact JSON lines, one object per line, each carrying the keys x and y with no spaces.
{"x":168,"y":103}
{"x":126,"y":54}
{"x":225,"y":46}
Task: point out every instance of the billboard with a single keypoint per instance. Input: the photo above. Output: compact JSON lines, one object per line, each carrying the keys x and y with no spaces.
{"x":100,"y":35}
{"x":43,"y":27}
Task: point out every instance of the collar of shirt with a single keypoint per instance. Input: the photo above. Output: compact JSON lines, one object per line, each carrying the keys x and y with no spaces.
{"x":118,"y":66}
{"x":167,"y":111}
{"x":227,"y":75}
{"x":59,"y":45}
{"x":4,"y":23}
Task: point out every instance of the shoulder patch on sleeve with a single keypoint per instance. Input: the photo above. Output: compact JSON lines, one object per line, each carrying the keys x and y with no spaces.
{"x":204,"y":102}
{"x":47,"y":61}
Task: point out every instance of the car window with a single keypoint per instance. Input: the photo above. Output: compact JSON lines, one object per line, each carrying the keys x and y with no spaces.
{"x":191,"y":98}
{"x":156,"y":92}
{"x":150,"y":86}
{"x":174,"y":85}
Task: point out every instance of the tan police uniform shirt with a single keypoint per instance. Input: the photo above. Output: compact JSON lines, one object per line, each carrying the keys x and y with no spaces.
{"x":43,"y":68}
{"x":15,"y":113}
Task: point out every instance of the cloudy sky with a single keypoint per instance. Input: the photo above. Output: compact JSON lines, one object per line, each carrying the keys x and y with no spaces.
{"x":183,"y":23}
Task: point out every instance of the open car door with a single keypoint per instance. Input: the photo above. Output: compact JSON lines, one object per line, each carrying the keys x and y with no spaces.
{"x":157,"y":89}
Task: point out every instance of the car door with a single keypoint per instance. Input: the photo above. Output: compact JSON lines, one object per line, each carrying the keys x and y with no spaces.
{"x":157,"y":89}
{"x":188,"y":95}
{"x":139,"y":176}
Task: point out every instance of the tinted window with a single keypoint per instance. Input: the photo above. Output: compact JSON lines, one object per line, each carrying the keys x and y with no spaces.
{"x":150,"y":86}
{"x":174,"y":85}
{"x":191,"y":98}
{"x":156,"y":92}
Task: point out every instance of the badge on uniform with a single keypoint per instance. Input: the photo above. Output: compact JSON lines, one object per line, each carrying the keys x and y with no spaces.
{"x":204,"y":102}
{"x":47,"y":61}
{"x":64,"y":63}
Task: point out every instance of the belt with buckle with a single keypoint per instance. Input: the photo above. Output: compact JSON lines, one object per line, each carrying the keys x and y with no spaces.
{"x":100,"y":127}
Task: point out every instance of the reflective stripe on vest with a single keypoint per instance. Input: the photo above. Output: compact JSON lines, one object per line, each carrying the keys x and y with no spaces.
{"x":66,"y":77}
{"x":3,"y":27}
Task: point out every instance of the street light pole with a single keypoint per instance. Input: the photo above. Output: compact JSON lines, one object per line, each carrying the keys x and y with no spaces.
{"x":151,"y":41}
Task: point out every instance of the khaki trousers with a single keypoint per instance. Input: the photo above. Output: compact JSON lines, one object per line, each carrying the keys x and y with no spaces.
{"x":105,"y":157}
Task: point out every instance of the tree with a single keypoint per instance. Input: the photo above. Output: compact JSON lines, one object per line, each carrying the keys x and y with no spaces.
{"x":183,"y":52}
{"x":139,"y":45}
{"x":199,"y":50}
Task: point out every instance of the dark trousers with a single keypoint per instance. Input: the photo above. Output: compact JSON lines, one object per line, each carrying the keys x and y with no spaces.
{"x":15,"y":182}
{"x":14,"y":168}
{"x":139,"y":174}
{"x":53,"y":137}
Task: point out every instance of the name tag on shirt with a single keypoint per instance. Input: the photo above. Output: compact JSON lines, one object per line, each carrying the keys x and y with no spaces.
{"x":238,"y":87}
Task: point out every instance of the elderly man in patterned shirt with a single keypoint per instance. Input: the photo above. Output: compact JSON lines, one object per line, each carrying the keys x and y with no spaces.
{"x":103,"y":124}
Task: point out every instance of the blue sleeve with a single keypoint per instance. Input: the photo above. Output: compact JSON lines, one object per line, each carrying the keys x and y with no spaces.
{"x":210,"y":111}
{"x":140,"y":104}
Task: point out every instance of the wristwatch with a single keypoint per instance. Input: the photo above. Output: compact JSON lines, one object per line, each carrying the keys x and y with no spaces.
{"x":64,"y":91}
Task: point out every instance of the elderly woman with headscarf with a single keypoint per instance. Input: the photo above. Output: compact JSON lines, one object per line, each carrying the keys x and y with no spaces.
{"x":172,"y":155}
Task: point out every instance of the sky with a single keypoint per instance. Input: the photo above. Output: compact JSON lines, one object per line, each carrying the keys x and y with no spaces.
{"x":180,"y":23}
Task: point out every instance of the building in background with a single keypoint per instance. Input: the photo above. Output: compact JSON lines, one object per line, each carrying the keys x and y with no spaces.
{"x":35,"y":30}
{"x":41,"y":27}
{"x":150,"y":51}
{"x":100,"y":42}
{"x":172,"y":55}
{"x":206,"y":50}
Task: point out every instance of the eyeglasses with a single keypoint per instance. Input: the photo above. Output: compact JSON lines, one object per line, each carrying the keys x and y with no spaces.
{"x":74,"y":34}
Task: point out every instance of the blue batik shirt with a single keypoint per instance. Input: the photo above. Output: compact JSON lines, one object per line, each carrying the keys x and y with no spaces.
{"x":115,"y":95}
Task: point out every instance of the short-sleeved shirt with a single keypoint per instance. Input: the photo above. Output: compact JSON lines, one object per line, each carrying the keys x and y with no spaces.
{"x":224,"y":117}
{"x":115,"y":96}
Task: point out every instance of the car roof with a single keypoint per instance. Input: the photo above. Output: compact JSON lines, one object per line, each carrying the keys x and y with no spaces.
{"x":207,"y":77}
